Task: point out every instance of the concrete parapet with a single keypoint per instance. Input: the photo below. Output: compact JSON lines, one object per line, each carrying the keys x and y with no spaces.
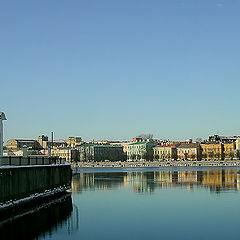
{"x":29,"y":160}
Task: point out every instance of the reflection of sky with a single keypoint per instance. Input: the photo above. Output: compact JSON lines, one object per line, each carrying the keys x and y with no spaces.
{"x":112,"y":210}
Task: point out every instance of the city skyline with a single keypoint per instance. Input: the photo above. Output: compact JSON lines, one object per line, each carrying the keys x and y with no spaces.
{"x":107,"y":70}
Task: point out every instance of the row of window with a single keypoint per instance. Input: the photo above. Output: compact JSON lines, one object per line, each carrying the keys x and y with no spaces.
{"x":161,"y":152}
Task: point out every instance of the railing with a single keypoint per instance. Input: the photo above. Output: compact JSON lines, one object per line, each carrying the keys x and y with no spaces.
{"x":30,"y":160}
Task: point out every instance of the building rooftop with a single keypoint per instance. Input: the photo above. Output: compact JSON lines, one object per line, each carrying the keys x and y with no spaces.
{"x":135,"y":143}
{"x":23,"y":140}
{"x":169,"y":145}
{"x":189,"y":145}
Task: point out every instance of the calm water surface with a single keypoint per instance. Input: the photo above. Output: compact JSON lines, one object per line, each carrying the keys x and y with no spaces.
{"x":145,"y":204}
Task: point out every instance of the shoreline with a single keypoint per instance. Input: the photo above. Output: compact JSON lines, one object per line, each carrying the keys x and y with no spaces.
{"x":93,"y":165}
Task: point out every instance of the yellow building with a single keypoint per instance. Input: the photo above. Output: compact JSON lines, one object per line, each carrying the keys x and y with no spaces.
{"x":162,"y":153}
{"x":238,"y":144}
{"x":211,"y":151}
{"x":189,"y":151}
{"x":66,"y":153}
{"x":17,"y":144}
{"x":229,"y":149}
{"x":74,"y":142}
{"x":43,"y":141}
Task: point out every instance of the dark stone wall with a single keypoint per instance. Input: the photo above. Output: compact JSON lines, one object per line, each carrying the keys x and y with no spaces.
{"x":22,"y":182}
{"x":40,"y":223}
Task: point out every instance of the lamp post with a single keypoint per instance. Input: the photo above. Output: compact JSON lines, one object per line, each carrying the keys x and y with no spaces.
{"x":2,"y":118}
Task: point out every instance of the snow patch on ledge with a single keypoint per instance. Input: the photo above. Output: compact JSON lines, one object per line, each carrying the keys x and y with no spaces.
{"x":34,"y":196}
{"x":32,"y":166}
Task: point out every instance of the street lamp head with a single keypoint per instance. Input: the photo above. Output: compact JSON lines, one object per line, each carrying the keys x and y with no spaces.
{"x":2,"y":116}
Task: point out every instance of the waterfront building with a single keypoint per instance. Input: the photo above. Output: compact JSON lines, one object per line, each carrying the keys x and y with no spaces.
{"x":189,"y":140}
{"x":74,"y":142}
{"x":237,"y":150}
{"x":141,"y":150}
{"x":189,"y":151}
{"x":43,"y":141}
{"x":222,"y":139}
{"x":161,"y":153}
{"x":229,"y":149}
{"x":137,"y":139}
{"x":231,"y":139}
{"x":211,"y":151}
{"x":123,"y":144}
{"x":163,"y":142}
{"x":20,"y":152}
{"x":57,"y":144}
{"x":70,"y":154}
{"x":237,"y":144}
{"x":17,"y":144}
{"x":97,"y":152}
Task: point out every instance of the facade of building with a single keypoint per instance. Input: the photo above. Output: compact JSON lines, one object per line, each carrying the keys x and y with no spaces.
{"x":123,"y":144}
{"x":141,"y":150}
{"x":189,"y":151}
{"x":97,"y":152}
{"x":237,"y":144}
{"x":17,"y":144}
{"x":229,"y":149}
{"x":161,"y":153}
{"x":43,"y":140}
{"x":222,"y":139}
{"x":57,"y":144}
{"x":74,"y":142}
{"x":211,"y":151}
{"x":237,"y":150}
{"x":137,"y":139}
{"x":71,"y":155}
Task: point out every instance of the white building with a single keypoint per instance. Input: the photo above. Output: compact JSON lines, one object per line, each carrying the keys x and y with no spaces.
{"x":141,"y":150}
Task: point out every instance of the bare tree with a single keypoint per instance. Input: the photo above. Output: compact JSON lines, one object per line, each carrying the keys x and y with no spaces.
{"x":204,"y":156}
{"x":145,"y":136}
{"x":198,"y":140}
{"x":210,"y":155}
{"x":193,"y":156}
{"x":231,"y":155}
{"x":217,"y":155}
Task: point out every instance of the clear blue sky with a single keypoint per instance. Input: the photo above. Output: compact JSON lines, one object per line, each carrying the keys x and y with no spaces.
{"x":112,"y":69}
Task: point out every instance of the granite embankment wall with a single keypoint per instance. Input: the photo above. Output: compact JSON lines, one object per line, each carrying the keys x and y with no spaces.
{"x":21,"y":184}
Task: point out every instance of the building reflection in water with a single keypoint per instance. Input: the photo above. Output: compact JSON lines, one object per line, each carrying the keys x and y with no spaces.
{"x":216,"y":180}
{"x":57,"y":214}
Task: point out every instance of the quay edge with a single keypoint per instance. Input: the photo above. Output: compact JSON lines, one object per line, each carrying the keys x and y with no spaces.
{"x":22,"y":187}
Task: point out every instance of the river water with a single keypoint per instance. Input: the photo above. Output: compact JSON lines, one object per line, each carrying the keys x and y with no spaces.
{"x":176,"y":203}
